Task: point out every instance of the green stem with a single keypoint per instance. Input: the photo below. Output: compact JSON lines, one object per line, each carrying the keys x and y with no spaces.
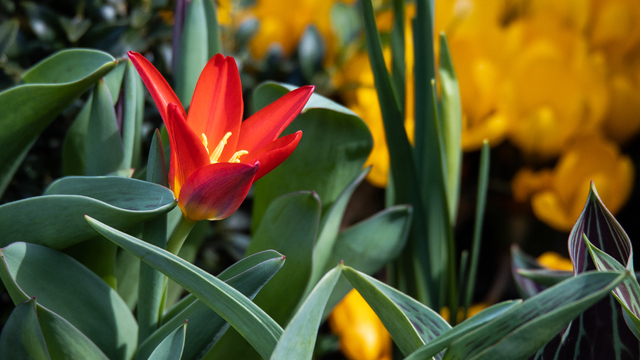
{"x":179,"y":235}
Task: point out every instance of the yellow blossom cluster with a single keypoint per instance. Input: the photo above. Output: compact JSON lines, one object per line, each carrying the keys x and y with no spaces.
{"x":556,"y":79}
{"x":362,"y":334}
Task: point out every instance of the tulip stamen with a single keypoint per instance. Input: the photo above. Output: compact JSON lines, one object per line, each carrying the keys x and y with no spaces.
{"x":236,"y":157}
{"x":218,"y":150}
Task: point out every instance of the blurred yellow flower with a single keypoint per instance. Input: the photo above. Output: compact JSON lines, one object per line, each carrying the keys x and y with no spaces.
{"x":362,"y":335}
{"x":553,"y":260}
{"x":284,"y":21}
{"x":473,"y":310}
{"x":558,"y":196}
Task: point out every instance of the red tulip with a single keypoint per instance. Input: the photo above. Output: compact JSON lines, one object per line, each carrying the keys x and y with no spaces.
{"x":215,"y":156}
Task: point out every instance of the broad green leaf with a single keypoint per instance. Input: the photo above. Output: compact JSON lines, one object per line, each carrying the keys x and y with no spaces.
{"x":329,"y":228}
{"x":70,"y":290}
{"x":172,"y":346}
{"x":324,"y":164}
{"x":398,"y":62}
{"x":255,"y":325}
{"x":545,"y":277}
{"x":56,"y":219}
{"x":113,"y":80}
{"x":128,"y":278}
{"x":152,"y":283}
{"x":8,"y":32}
{"x":370,"y":244}
{"x":50,"y":87}
{"x":73,"y":149}
{"x":65,"y":341}
{"x":194,"y":51}
{"x":131,"y":122}
{"x":435,"y":346}
{"x":299,"y":337}
{"x":410,"y":323}
{"x":627,"y":293}
{"x":102,"y":143}
{"x":451,"y":127}
{"x":519,"y":333}
{"x":289,"y":217}
{"x":247,"y":276}
{"x":214,"y":45}
{"x":21,"y":336}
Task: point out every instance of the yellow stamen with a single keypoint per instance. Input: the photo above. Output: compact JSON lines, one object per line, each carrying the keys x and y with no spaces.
{"x":218,"y":151}
{"x":236,"y":156}
{"x":205,"y":142}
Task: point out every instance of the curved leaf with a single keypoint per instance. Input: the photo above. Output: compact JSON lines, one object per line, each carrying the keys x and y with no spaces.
{"x":72,"y":291}
{"x":247,"y":276}
{"x":21,"y":336}
{"x":172,"y":346}
{"x":320,"y":163}
{"x":50,"y":87}
{"x":56,"y":219}
{"x":253,"y":323}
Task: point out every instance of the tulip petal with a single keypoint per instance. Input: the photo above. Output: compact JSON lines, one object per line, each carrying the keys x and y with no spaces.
{"x":216,"y":191}
{"x":216,"y":107}
{"x":160,"y":90}
{"x":273,"y":154}
{"x":266,"y":125}
{"x":187,"y":151}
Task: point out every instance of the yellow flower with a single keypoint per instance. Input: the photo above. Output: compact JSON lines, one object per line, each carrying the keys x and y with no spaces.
{"x":284,"y":21}
{"x":553,"y":89}
{"x":362,"y":334}
{"x":615,"y":27}
{"x":623,"y":119}
{"x":553,"y":260}
{"x":473,"y":310}
{"x":558,"y":196}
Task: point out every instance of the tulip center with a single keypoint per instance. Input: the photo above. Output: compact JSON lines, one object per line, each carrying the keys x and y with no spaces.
{"x":215,"y":156}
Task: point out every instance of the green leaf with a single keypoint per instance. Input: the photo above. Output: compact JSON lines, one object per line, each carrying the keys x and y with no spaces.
{"x":324,"y":164}
{"x":247,"y":276}
{"x":56,"y":219}
{"x":50,"y":87}
{"x":74,"y":27}
{"x":520,"y":261}
{"x":627,"y":293}
{"x":194,"y":51}
{"x":8,"y":32}
{"x":114,"y":80}
{"x":128,"y":278}
{"x":289,"y":217}
{"x":370,"y":244}
{"x":438,"y":344}
{"x":131,"y":122}
{"x":451,"y":127}
{"x":70,"y":290}
{"x":102,"y":143}
{"x":519,"y":333}
{"x":21,"y":336}
{"x":329,"y":228}
{"x":213,"y":29}
{"x":172,"y":346}
{"x":255,"y":325}
{"x":545,"y":277}
{"x":65,"y":341}
{"x":156,"y":164}
{"x":73,"y":149}
{"x":299,"y":337}
{"x":410,"y":323}
{"x":481,"y":202}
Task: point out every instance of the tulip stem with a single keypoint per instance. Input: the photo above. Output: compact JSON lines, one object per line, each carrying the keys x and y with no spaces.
{"x":179,"y":235}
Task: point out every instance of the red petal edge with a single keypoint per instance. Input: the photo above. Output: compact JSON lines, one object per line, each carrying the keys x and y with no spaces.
{"x":187,"y":151}
{"x":274,"y":153}
{"x":267,"y":124}
{"x":216,"y":191}
{"x":160,"y":90}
